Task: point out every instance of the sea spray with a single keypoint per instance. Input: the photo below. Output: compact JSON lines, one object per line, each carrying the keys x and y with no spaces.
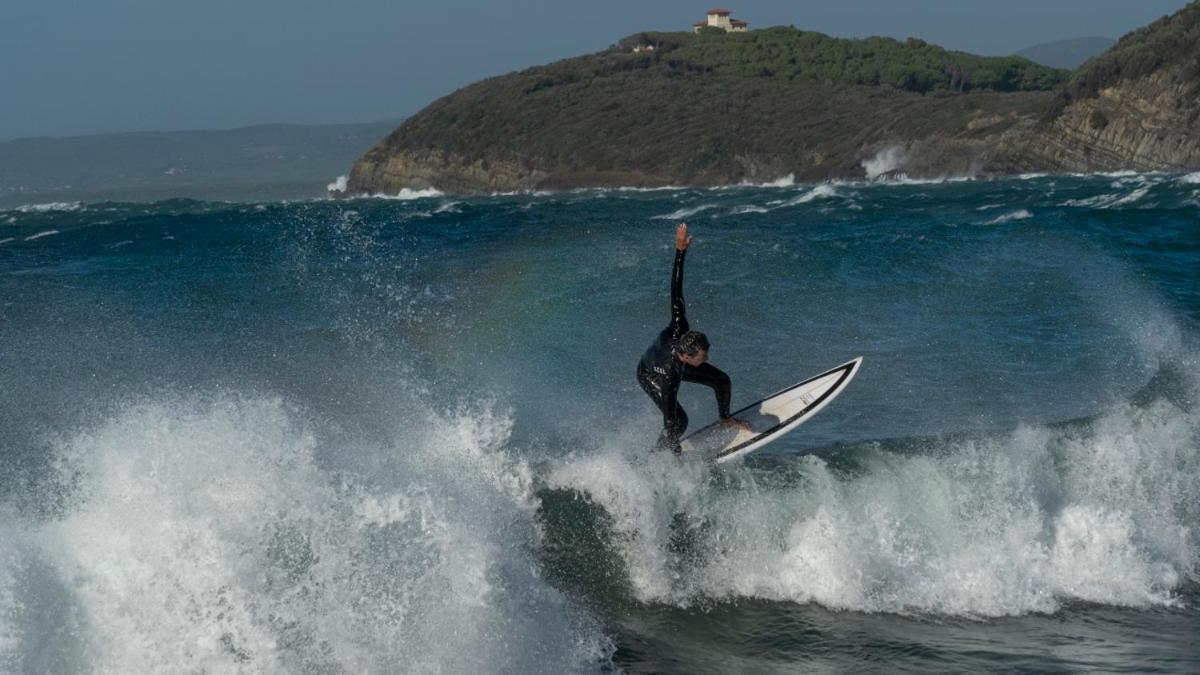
{"x":203,"y":535}
{"x":887,"y":162}
{"x":1017,"y":524}
{"x":11,"y":608}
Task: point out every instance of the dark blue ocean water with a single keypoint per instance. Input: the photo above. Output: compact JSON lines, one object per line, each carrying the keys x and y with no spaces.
{"x":405,"y":436}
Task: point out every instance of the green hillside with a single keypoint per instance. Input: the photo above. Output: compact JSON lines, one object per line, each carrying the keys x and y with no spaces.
{"x":805,"y":56}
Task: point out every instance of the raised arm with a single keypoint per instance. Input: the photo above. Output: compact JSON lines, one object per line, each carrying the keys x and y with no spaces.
{"x":679,"y":324}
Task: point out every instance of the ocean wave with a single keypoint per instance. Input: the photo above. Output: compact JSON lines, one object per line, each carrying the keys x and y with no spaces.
{"x":1190,"y":179}
{"x":748,"y":208}
{"x":822,"y":191}
{"x":1110,"y":200}
{"x":1102,"y":511}
{"x":782,"y":182}
{"x":406,"y":194}
{"x":203,"y":536}
{"x":1020,"y":214}
{"x":1132,"y":196}
{"x":1124,"y":173}
{"x":685,"y":212}
{"x":10,"y":584}
{"x":339,"y":184}
{"x":39,"y":235}
{"x":49,"y":206}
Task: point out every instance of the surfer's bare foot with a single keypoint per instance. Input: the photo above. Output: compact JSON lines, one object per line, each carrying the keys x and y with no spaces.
{"x":735,"y":422}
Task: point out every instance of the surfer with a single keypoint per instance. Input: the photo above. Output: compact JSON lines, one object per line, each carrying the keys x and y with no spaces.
{"x":681,"y":355}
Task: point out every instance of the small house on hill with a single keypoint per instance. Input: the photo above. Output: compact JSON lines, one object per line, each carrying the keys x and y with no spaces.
{"x":720,"y":18}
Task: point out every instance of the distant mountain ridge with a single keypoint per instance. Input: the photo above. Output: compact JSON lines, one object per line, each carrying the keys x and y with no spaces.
{"x":271,"y":161}
{"x":1068,"y":54}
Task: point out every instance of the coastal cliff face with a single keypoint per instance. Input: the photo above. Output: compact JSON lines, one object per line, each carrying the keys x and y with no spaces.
{"x":719,"y":110}
{"x":1135,"y":107}
{"x":1145,"y":125}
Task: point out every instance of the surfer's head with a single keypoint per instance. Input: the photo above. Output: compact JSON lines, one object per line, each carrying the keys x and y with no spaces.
{"x":692,"y":348}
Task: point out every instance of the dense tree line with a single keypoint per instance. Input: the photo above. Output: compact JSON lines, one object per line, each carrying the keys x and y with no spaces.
{"x":794,"y":55}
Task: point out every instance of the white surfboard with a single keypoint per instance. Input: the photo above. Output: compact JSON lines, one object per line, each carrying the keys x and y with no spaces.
{"x":771,"y":417}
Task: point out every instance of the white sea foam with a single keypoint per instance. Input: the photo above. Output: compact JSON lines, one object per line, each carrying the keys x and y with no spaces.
{"x":1019,"y":214}
{"x":7,"y":239}
{"x":661,"y":188}
{"x":822,"y":191}
{"x":406,"y":194}
{"x":903,"y":179}
{"x":203,"y":536}
{"x":338,"y":185}
{"x":10,"y":604}
{"x":748,"y":208}
{"x":1109,"y":200}
{"x":888,"y":160}
{"x":50,"y":206}
{"x":1191,"y":178}
{"x":684,"y":212}
{"x":39,"y":235}
{"x":977,"y":528}
{"x":1132,"y":196}
{"x":782,"y":182}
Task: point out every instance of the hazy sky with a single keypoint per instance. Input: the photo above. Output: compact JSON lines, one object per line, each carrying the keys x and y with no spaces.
{"x":88,"y":66}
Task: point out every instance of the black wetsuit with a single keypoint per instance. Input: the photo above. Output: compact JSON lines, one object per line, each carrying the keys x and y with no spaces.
{"x":660,"y":370}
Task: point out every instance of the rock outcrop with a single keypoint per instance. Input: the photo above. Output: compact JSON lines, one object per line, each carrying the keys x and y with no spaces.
{"x":1135,"y":107}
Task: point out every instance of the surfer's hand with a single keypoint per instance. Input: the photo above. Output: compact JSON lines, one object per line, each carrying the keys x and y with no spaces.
{"x":681,"y":237}
{"x":728,"y":422}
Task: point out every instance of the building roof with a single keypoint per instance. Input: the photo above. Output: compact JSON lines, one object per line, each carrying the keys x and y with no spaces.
{"x":700,"y":23}
{"x":738,"y":22}
{"x":720,"y":12}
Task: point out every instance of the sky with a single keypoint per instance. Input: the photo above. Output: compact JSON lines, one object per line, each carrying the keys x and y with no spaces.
{"x":70,"y":67}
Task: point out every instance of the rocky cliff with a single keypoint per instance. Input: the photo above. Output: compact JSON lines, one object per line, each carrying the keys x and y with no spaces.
{"x":1135,"y":107}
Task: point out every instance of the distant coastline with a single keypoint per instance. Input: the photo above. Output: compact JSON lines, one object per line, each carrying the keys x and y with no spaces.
{"x":272,"y":161}
{"x":717,"y":108}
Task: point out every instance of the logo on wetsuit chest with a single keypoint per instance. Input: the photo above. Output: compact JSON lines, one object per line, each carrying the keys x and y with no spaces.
{"x":660,"y":370}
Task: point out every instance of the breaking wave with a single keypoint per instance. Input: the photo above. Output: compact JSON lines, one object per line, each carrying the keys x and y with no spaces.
{"x":1102,"y":512}
{"x":1019,"y":214}
{"x":205,"y":536}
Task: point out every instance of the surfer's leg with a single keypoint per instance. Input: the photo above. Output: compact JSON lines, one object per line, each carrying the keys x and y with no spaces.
{"x":673,"y":425}
{"x":676,"y":424}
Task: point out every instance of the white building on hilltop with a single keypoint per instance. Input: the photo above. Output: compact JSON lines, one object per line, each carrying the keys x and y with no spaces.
{"x":720,"y":18}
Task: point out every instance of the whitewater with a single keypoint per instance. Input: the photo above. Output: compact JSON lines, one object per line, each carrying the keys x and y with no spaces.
{"x":403,"y":434}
